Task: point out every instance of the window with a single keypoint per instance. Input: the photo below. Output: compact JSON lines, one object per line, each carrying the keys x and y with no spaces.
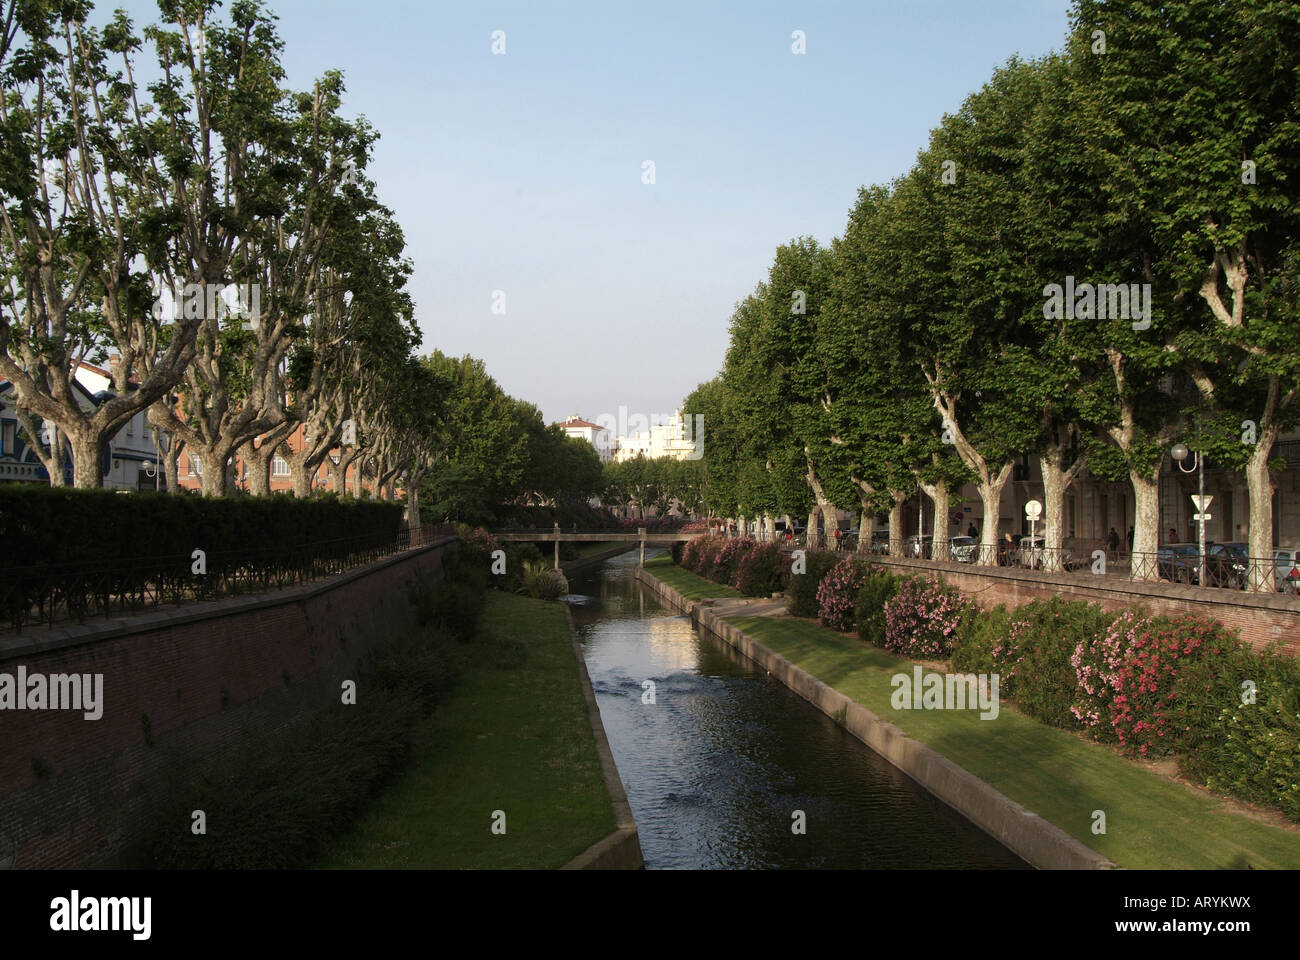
{"x":130,"y":427}
{"x":279,"y":466}
{"x":196,"y":466}
{"x":7,"y":442}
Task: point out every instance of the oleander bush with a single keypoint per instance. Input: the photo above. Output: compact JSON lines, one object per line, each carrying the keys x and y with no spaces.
{"x":1127,"y":677}
{"x":926,"y":617}
{"x":802,"y":589}
{"x":837,"y":593}
{"x":974,"y":651}
{"x":1034,"y":660}
{"x":1236,"y":725}
{"x":760,"y":571}
{"x":727,"y":558}
{"x":877,"y":590}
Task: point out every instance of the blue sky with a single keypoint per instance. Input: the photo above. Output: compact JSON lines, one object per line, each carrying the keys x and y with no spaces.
{"x":523,"y":172}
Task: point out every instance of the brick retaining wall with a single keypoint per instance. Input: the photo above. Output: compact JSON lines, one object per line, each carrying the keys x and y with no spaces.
{"x":182,"y":687}
{"x":1259,"y":618}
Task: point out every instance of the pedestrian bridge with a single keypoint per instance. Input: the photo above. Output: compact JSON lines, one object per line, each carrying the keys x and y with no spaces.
{"x":558,"y":536}
{"x":589,"y":536}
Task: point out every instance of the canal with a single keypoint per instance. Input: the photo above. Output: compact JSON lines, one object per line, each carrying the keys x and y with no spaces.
{"x":717,"y":765}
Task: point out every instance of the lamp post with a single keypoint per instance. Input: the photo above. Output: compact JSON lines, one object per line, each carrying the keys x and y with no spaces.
{"x":1179,"y":452}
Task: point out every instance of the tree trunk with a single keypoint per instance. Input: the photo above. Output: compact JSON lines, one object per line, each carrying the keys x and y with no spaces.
{"x":896,"y":524}
{"x":301,"y":478}
{"x":53,"y":460}
{"x":171,"y":459}
{"x":1056,"y":481}
{"x":215,"y":479}
{"x":938,"y":494}
{"x":1259,"y":536}
{"x":87,"y":460}
{"x":1146,"y":523}
{"x":991,"y":497}
{"x":413,"y":510}
{"x":340,"y":478}
{"x":257,"y":463}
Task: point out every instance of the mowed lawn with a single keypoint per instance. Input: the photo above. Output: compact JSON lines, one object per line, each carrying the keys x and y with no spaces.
{"x":1152,"y":822}
{"x":513,"y":736}
{"x":686,"y":583}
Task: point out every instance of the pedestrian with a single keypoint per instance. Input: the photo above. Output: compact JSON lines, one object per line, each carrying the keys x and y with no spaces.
{"x":1130,"y":539}
{"x":971,"y":531}
{"x":1112,"y":541}
{"x":1173,"y":535}
{"x":838,"y":534}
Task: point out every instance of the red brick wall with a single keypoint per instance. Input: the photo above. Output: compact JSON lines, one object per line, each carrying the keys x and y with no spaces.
{"x":1259,"y":620}
{"x":207,"y":676}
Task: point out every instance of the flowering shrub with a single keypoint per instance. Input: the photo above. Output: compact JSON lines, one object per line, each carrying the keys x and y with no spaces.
{"x":925,"y":618}
{"x":837,"y":594}
{"x":760,"y":570}
{"x":1097,"y":664}
{"x":690,"y":558}
{"x":803,"y":588}
{"x":877,"y":590}
{"x":1034,"y":659}
{"x":1128,"y":679}
{"x":728,"y":556}
{"x":1237,"y":723}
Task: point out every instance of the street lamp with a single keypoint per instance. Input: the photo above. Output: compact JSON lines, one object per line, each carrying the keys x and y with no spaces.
{"x":1179,"y":452}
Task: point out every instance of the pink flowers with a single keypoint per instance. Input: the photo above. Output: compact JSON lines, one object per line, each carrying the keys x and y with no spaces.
{"x":923,"y":618}
{"x":1127,"y":678}
{"x":837,"y":594}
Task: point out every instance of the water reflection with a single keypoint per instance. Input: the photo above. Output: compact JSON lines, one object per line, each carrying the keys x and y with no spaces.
{"x":716,"y":766}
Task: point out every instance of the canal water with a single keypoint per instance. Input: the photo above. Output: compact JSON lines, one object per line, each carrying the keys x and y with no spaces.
{"x":717,"y":766}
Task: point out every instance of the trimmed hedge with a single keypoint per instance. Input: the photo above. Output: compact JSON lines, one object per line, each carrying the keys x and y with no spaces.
{"x":90,"y":549}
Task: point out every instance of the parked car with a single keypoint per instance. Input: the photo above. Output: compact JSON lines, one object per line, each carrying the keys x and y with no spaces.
{"x":849,"y":541}
{"x":964,"y":549}
{"x":1180,"y":562}
{"x":1032,"y":553}
{"x":1227,"y":565}
{"x":880,"y":542}
{"x":1286,"y":568}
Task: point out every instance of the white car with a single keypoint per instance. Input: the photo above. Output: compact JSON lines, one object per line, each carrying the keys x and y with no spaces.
{"x":1286,"y":568}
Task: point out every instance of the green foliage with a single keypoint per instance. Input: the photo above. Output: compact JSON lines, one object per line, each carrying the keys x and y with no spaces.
{"x":1036,"y":656}
{"x":760,"y":570}
{"x":878,"y":589}
{"x":803,"y":586}
{"x":153,"y":537}
{"x":1232,"y":745}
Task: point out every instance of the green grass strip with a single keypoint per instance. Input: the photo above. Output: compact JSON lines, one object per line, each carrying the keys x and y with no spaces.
{"x":513,"y":736}
{"x":689,"y":585}
{"x":1151,"y":822}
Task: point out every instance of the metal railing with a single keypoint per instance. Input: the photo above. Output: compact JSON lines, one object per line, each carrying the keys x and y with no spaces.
{"x":43,"y":592}
{"x":1222,"y":570}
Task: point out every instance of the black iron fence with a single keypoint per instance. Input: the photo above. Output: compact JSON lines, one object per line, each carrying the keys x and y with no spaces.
{"x":49,"y":592}
{"x":1222,"y":569}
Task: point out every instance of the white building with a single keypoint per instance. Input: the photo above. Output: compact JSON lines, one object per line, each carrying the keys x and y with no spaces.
{"x":593,"y":433}
{"x":666,"y":438}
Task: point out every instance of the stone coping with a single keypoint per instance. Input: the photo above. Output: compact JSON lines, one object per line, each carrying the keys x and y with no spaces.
{"x":620,"y":850}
